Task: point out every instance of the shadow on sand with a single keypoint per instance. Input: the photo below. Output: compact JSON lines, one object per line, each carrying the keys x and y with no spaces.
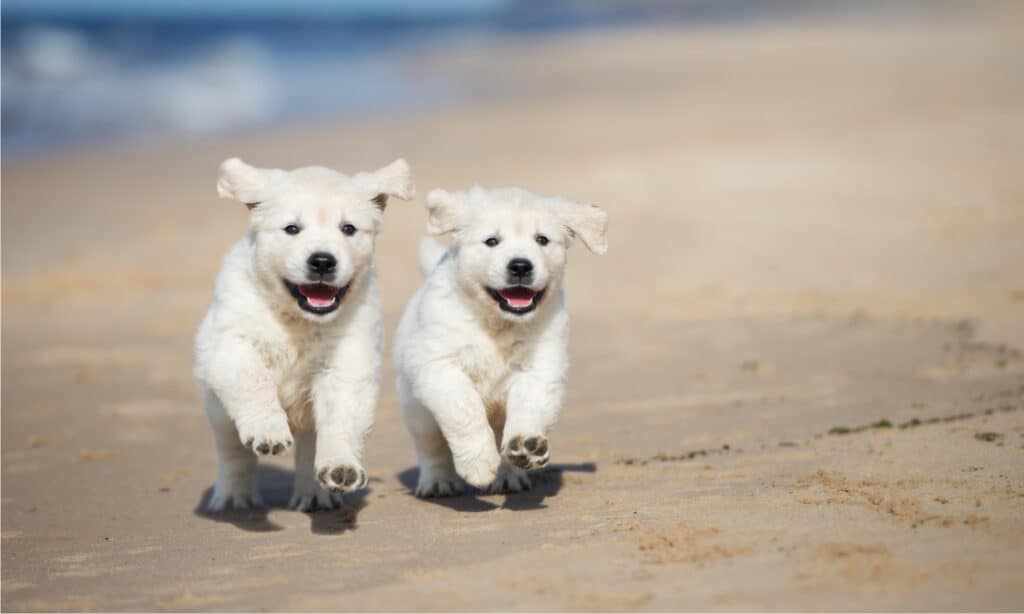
{"x":546,"y":483}
{"x":275,"y":486}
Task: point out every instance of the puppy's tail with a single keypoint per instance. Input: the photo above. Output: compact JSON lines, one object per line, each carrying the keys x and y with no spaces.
{"x":431,"y":253}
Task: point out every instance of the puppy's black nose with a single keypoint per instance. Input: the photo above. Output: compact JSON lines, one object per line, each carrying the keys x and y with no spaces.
{"x":322,"y":262}
{"x":520,"y":267}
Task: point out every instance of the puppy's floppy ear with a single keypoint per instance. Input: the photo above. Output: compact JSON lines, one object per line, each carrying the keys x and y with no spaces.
{"x":444,"y":209}
{"x":242,"y":182}
{"x":588,"y":222}
{"x":395,"y":179}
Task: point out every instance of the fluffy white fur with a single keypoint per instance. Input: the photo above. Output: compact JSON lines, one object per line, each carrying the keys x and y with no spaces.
{"x":268,"y":367}
{"x":481,"y":386}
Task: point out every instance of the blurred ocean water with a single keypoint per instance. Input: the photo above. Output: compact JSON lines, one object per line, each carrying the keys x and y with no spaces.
{"x":77,"y":73}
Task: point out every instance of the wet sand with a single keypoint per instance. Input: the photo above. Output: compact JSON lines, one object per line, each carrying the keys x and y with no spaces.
{"x":797,"y":375}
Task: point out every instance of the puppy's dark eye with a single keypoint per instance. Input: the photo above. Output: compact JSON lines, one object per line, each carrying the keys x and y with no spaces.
{"x":492,"y":241}
{"x":292,"y":229}
{"x":348,"y":229}
{"x":542,"y":240}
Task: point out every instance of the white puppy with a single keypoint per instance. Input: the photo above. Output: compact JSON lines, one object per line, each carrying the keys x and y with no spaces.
{"x":482,"y":350}
{"x":292,"y":341}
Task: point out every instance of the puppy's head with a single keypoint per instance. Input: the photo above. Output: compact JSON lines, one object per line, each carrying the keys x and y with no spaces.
{"x":313,"y":229}
{"x":510,"y":245}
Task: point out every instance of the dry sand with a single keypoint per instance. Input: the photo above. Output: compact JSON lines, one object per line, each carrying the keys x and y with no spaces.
{"x":813,"y":225}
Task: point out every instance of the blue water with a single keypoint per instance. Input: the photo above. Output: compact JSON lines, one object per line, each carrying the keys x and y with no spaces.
{"x":77,"y":73}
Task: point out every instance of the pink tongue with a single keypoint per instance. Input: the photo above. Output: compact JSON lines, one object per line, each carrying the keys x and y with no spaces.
{"x":319,"y":295}
{"x":518,"y":297}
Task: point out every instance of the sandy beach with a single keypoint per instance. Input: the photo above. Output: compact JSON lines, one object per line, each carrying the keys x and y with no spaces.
{"x":797,"y":375}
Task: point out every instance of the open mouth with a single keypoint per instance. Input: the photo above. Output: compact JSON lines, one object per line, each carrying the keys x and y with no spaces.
{"x":517,"y":299}
{"x":317,"y":298}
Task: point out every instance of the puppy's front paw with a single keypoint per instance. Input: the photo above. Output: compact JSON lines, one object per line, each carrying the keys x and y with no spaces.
{"x":510,"y":479}
{"x":341,"y":478}
{"x":267,"y":434}
{"x":434,"y":482}
{"x":527,"y":452}
{"x":481,"y":469}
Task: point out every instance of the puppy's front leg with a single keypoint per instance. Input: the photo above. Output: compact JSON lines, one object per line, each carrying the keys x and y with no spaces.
{"x":450,"y":396}
{"x":343,"y":406}
{"x":534,"y":400}
{"x":236,"y":466}
{"x":247,"y":391}
{"x":307,"y":494}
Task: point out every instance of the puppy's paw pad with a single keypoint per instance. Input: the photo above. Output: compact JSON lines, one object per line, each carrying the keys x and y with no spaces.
{"x":342,"y":478}
{"x":528,"y":452}
{"x":266,"y":436}
{"x":311,"y":502}
{"x":221,"y":502}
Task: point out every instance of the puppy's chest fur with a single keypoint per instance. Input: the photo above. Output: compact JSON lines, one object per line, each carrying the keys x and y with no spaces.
{"x":489,"y":363}
{"x":296,"y":358}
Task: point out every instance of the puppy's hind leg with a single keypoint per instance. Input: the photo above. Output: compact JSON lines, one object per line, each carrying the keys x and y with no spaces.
{"x":307,"y":495}
{"x":236,"y":464}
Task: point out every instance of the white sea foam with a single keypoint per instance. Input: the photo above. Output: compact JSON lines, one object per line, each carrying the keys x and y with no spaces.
{"x":79,"y":73}
{"x":58,"y":86}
